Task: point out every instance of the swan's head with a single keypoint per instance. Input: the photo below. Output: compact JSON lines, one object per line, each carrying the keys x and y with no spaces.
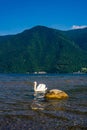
{"x":35,"y":83}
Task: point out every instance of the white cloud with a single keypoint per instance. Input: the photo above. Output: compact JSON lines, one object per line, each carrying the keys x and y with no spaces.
{"x":79,"y":27}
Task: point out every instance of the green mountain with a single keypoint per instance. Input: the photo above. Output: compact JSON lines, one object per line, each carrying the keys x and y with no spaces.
{"x":42,"y":49}
{"x":79,"y":36}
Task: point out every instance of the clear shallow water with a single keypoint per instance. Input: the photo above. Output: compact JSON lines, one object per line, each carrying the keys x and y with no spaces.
{"x":22,"y":109}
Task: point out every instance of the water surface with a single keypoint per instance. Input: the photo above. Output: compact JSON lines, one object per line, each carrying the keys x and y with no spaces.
{"x":22,"y":109}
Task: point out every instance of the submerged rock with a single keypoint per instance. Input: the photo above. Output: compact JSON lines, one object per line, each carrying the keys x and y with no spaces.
{"x":56,"y":94}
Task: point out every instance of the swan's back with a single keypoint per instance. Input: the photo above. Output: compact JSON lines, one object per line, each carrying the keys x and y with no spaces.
{"x":41,"y":87}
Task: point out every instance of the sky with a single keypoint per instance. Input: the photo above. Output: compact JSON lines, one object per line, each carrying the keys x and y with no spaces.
{"x":19,"y":15}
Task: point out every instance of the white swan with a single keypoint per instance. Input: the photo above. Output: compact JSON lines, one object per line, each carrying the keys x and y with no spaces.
{"x":40,"y":87}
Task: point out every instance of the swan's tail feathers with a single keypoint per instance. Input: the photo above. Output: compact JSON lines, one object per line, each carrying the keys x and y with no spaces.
{"x":45,"y":88}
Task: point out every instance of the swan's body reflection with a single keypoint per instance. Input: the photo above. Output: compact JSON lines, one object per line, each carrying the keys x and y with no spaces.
{"x":39,"y":96}
{"x":38,"y":102}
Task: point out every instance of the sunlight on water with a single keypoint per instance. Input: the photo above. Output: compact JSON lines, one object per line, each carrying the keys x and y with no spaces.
{"x":21,"y":107}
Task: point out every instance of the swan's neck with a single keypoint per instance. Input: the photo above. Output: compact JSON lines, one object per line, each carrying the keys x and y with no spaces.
{"x":35,"y":84}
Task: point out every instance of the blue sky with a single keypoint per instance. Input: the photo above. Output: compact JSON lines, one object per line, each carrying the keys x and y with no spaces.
{"x":18,"y":15}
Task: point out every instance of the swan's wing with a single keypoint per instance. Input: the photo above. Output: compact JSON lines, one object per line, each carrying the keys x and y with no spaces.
{"x":41,"y":87}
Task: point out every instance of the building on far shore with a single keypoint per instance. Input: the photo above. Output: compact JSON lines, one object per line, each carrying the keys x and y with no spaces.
{"x":40,"y":72}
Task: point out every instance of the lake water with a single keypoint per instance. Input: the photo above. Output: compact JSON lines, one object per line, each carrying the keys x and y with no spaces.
{"x":22,"y":109}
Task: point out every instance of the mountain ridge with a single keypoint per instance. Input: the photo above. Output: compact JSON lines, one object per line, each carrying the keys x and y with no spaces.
{"x":41,"y":49}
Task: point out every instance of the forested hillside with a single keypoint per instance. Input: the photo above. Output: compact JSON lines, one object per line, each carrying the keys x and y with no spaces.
{"x":43,"y":49}
{"x":79,"y":36}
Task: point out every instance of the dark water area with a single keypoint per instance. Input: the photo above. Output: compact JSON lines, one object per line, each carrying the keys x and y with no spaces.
{"x":22,"y":109}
